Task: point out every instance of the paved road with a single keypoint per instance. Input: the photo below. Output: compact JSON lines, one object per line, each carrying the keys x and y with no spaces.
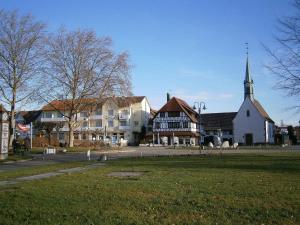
{"x":128,"y":152}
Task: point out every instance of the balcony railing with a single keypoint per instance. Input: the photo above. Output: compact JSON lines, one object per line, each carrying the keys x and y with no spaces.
{"x":124,"y":116}
{"x":124,"y":127}
{"x":96,"y":117}
{"x":54,"y":119}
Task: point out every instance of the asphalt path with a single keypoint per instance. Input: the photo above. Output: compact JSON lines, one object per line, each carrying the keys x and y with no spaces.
{"x":130,"y":152}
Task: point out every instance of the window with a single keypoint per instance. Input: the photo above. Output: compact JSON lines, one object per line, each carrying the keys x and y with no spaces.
{"x":85,"y":124}
{"x":84,"y":137}
{"x":76,"y":136}
{"x":110,"y":112}
{"x":162,"y":114}
{"x":83,"y":114}
{"x":136,"y":123}
{"x":248,"y":113}
{"x":174,"y":125}
{"x":125,"y":112}
{"x":110,"y":123}
{"x":60,"y":115}
{"x":123,"y":123}
{"x":157,"y":125}
{"x":61,"y":136}
{"x":180,"y":141}
{"x":98,"y":112}
{"x":48,"y":115}
{"x":98,"y":123}
{"x":185,"y":124}
{"x":173,"y":114}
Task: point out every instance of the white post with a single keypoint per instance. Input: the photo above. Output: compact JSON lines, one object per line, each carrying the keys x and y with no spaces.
{"x":30,"y":135}
{"x":158,"y":141}
{"x":173,"y":138}
{"x":153,"y":139}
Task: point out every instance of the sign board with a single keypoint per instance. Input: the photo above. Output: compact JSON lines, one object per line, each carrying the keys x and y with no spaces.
{"x":3,"y":140}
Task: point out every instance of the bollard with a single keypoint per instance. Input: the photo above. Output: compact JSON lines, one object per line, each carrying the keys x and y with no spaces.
{"x":88,"y":155}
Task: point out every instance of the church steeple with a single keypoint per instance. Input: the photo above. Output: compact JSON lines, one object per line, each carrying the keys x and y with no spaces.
{"x":248,"y":82}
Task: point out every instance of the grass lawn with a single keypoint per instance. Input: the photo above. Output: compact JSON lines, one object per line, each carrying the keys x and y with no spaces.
{"x":218,"y":189}
{"x":15,"y":157}
{"x":6,"y":175}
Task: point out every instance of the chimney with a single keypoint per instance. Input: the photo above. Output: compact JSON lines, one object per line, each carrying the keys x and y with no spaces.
{"x":168,"y":97}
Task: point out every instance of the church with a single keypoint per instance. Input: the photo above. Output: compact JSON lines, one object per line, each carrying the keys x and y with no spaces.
{"x":252,"y":124}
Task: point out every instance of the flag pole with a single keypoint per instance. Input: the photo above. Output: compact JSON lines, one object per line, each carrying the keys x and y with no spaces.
{"x":30,"y":135}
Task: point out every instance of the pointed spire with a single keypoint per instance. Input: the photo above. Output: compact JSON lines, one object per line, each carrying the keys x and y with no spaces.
{"x":248,"y":82}
{"x":248,"y":77}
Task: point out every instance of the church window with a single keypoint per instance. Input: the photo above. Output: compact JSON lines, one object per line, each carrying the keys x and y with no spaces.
{"x":248,"y":113}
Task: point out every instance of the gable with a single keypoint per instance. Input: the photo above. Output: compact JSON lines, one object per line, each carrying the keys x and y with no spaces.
{"x":178,"y":105}
{"x":248,"y":105}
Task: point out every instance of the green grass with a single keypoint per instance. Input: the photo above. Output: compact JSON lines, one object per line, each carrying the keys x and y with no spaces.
{"x":218,"y":189}
{"x":15,"y":157}
{"x":6,"y":175}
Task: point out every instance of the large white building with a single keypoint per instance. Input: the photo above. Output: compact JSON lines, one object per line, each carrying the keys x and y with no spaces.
{"x":112,"y":118}
{"x":252,"y":124}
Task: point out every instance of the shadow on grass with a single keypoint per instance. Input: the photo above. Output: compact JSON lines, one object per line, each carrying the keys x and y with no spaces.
{"x":290,"y":164}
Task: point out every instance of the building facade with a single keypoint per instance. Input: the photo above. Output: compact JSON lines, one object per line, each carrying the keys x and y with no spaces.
{"x":218,"y":124}
{"x":175,"y":123}
{"x":115,"y":119}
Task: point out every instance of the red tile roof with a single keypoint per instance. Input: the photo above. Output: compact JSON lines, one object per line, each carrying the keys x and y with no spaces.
{"x":178,"y":105}
{"x":262,"y":111}
{"x":83,"y":104}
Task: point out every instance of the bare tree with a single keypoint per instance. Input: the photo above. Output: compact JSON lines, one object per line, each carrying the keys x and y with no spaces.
{"x":286,"y":57}
{"x":83,"y":66}
{"x":20,"y":60}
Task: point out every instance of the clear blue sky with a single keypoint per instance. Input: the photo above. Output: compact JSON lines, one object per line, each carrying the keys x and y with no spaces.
{"x":193,"y":49}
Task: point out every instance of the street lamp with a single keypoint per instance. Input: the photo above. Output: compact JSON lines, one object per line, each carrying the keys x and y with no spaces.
{"x":199,"y":105}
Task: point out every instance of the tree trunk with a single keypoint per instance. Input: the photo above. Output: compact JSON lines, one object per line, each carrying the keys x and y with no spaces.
{"x":12,"y":121}
{"x":71,"y":134}
{"x":49,"y":138}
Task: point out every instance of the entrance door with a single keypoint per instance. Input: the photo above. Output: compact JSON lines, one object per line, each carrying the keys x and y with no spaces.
{"x":249,"y":139}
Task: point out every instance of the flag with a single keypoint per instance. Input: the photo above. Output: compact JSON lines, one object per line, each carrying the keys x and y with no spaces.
{"x":23,"y":128}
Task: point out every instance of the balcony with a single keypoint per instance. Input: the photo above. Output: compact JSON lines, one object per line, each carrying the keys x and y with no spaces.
{"x":124,"y":116}
{"x":95,"y":128}
{"x":124,"y":127}
{"x":54,"y":119}
{"x":64,"y":129}
{"x":96,"y":117}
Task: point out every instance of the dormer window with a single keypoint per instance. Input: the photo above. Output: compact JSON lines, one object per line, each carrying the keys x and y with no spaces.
{"x":248,"y":113}
{"x":162,"y":114}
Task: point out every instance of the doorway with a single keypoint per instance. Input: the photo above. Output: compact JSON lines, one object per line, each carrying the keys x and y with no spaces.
{"x":249,"y":139}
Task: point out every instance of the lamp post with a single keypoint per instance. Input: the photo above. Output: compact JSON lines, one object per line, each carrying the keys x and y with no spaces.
{"x":199,"y":106}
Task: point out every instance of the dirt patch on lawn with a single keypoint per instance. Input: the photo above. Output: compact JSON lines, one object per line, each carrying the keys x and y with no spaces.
{"x":125,"y":174}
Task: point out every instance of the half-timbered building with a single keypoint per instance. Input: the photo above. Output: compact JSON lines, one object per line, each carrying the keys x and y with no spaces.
{"x":176,"y":123}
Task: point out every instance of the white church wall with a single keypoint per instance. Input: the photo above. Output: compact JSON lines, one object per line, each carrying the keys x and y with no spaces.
{"x":254,"y":124}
